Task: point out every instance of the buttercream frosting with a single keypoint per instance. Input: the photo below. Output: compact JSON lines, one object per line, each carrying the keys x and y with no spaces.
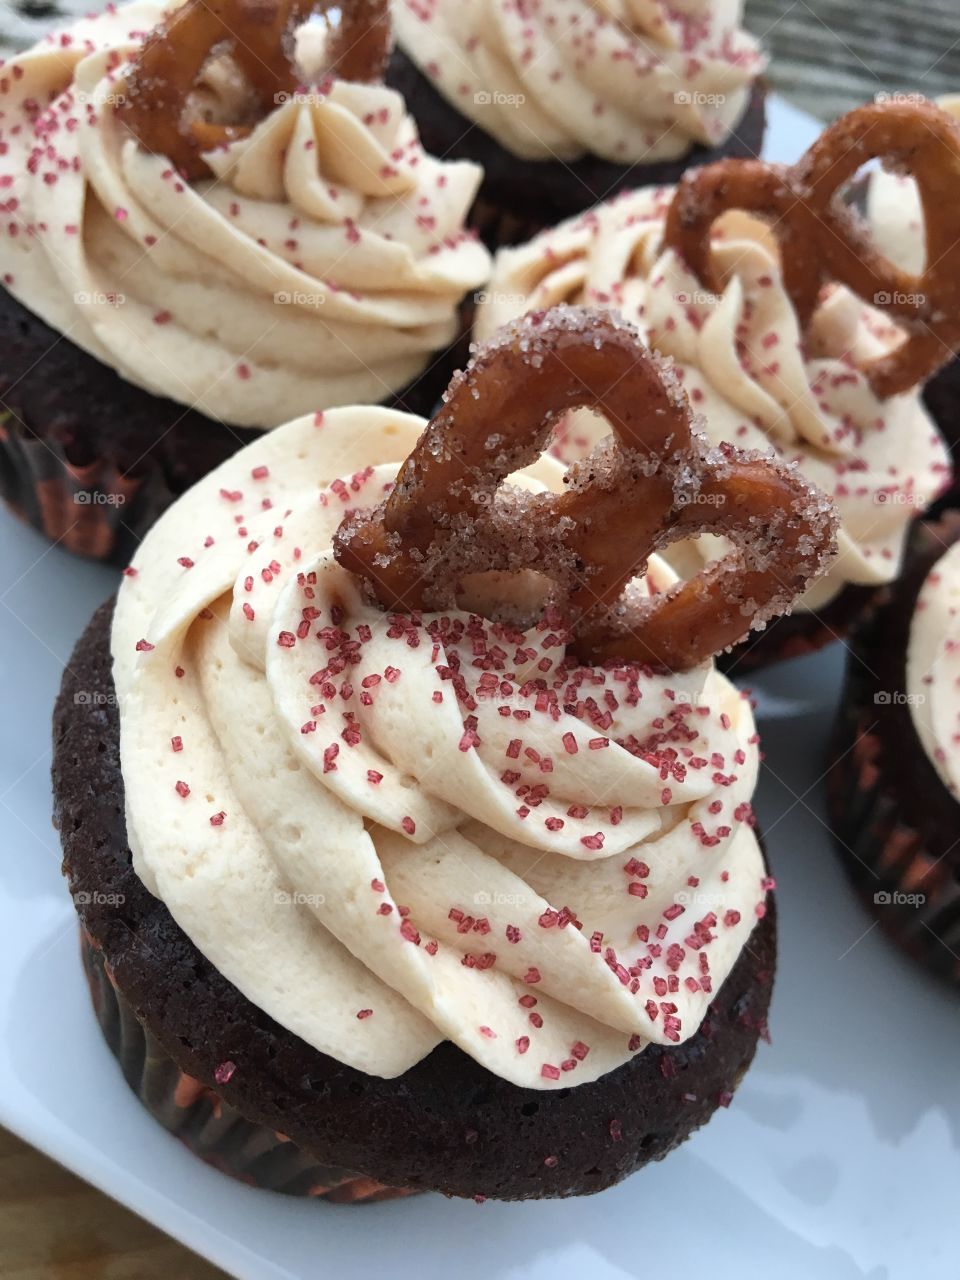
{"x":933,"y":667}
{"x":894,"y":211}
{"x":389,"y":830}
{"x":747,"y":367}
{"x":631,"y":81}
{"x":323,"y":263}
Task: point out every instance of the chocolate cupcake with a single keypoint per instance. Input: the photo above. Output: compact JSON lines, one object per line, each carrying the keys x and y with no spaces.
{"x":896,"y":221}
{"x":894,"y":781}
{"x":567,"y":103}
{"x":767,"y":368}
{"x":171,"y":288}
{"x":376,"y":902}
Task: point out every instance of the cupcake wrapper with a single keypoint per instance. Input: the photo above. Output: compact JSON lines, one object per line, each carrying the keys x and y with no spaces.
{"x":497,"y":226}
{"x":92,"y":509}
{"x":202,"y":1120}
{"x":797,"y":634}
{"x":912,"y":890}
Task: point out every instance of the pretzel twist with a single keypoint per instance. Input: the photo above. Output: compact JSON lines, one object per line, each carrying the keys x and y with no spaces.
{"x":821,"y":240}
{"x":654,"y":482}
{"x":259,"y":35}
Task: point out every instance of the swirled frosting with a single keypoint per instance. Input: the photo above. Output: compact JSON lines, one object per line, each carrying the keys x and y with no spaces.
{"x":631,"y":81}
{"x":323,"y":265}
{"x":389,"y":830}
{"x":933,"y":667}
{"x":894,"y":211}
{"x":741,"y":356}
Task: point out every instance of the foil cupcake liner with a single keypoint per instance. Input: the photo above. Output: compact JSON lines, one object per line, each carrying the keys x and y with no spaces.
{"x":894,"y":820}
{"x":203,"y":1121}
{"x":798,"y":634}
{"x":911,"y":889}
{"x":93,"y":509}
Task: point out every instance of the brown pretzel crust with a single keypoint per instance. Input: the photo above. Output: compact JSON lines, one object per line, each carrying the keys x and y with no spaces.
{"x":260,"y":37}
{"x":652,"y":482}
{"x":821,"y":241}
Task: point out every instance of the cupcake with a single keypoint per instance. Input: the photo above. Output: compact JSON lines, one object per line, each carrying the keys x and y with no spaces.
{"x":376,"y":901}
{"x":566,"y":102}
{"x":153,"y":323}
{"x":767,"y":368}
{"x":894,"y":781}
{"x":895,"y":215}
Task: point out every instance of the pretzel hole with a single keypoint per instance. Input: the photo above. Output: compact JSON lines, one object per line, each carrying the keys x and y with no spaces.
{"x":223,"y":95}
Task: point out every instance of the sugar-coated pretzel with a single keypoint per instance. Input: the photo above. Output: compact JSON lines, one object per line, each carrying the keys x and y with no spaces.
{"x":260,"y":37}
{"x":821,"y":240}
{"x":653,"y":481}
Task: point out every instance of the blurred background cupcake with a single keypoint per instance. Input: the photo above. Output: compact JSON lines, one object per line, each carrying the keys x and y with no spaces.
{"x":152,"y":324}
{"x":566,"y":102}
{"x":760,"y":376}
{"x":894,"y":781}
{"x":896,"y":220}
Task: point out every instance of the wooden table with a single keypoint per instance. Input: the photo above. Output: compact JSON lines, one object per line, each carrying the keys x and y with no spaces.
{"x":827,"y":56}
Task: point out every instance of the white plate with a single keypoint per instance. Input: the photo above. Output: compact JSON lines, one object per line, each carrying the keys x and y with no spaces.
{"x":838,"y":1159}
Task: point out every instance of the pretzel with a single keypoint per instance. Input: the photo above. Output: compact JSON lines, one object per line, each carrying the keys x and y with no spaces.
{"x":652,"y":482}
{"x":821,"y":240}
{"x":260,"y":37}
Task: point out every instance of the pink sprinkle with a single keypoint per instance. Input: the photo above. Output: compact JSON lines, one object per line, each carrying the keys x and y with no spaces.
{"x":549,"y":1072}
{"x":224,"y":1072}
{"x":523,"y":1044}
{"x":216,"y":819}
{"x":408,"y":825}
{"x":177,"y":743}
{"x":364,"y":1013}
{"x":286,"y":639}
{"x":182,"y":789}
{"x":594,"y":841}
{"x":570,"y":744}
{"x":144,"y":646}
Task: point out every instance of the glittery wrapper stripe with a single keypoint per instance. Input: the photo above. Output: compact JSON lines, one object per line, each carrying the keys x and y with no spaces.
{"x":887,"y":859}
{"x":207,"y":1125}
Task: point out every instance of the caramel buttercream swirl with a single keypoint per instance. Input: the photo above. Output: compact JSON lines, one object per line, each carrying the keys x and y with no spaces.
{"x":759,"y":379}
{"x":324,"y":263}
{"x":389,"y":830}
